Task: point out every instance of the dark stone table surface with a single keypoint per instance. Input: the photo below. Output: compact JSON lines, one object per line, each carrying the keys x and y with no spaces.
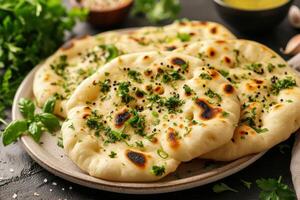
{"x":22,"y":178}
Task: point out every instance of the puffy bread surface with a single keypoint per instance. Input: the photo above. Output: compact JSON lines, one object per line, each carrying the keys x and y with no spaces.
{"x":268,"y":90}
{"x":180,"y":33}
{"x":152,"y":111}
{"x":60,"y":74}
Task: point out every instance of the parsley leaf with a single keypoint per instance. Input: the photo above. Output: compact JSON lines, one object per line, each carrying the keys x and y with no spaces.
{"x":273,"y":189}
{"x":222,"y":187}
{"x":156,"y":10}
{"x":30,"y":31}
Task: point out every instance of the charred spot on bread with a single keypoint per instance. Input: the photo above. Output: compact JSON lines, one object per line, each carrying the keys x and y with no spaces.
{"x":228,"y":89}
{"x":137,"y":158}
{"x":172,"y":138}
{"x":122,"y":117}
{"x":207,"y":112}
{"x":178,"y":61}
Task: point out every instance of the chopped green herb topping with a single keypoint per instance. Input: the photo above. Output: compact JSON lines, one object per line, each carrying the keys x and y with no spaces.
{"x":135,"y":75}
{"x":59,"y":67}
{"x":105,"y":86}
{"x":60,"y":142}
{"x":114,"y":136}
{"x":281,"y":65}
{"x":156,"y":99}
{"x":158,"y":170}
{"x":173,"y":103}
{"x":187,"y":89}
{"x":123,"y":91}
{"x":138,"y":123}
{"x":271,"y":67}
{"x":278,"y":85}
{"x":205,"y":76}
{"x":112,"y":154}
{"x":213,"y":95}
{"x":162,"y":153}
{"x":224,"y":73}
{"x":111,"y":51}
{"x":184,"y":37}
{"x":139,"y":144}
{"x":250,"y":121}
{"x":256,"y":67}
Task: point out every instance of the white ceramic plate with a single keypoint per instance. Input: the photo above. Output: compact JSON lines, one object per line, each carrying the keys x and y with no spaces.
{"x":52,"y":158}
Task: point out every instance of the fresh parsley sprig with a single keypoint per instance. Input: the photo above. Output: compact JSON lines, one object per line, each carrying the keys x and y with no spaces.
{"x":157,"y":10}
{"x":33,"y":124}
{"x":30,"y":31}
{"x":272,"y":189}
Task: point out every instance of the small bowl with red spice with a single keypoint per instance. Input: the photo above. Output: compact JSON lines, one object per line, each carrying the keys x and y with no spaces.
{"x":105,"y":13}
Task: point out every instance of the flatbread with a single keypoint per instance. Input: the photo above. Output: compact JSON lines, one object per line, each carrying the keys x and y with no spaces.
{"x":268,"y":90}
{"x":153,"y":110}
{"x":180,"y":33}
{"x":60,"y":74}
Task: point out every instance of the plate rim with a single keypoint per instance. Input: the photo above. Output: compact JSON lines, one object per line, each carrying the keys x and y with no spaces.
{"x":127,"y":187}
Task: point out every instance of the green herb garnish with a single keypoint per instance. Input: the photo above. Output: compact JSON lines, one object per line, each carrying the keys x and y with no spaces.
{"x":135,"y":75}
{"x":33,"y":124}
{"x":30,"y":31}
{"x":213,"y":95}
{"x":162,"y":153}
{"x":224,"y":73}
{"x":112,"y":154}
{"x":173,"y":103}
{"x":278,"y":85}
{"x":137,"y":122}
{"x":158,"y":170}
{"x":222,"y":187}
{"x":256,"y":67}
{"x":105,"y":86}
{"x":156,"y":10}
{"x":184,"y":37}
{"x":123,"y":91}
{"x":272,"y":189}
{"x":111,"y":51}
{"x":187,"y":89}
{"x":205,"y":76}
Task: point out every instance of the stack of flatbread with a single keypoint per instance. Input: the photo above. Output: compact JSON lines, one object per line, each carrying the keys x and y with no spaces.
{"x":139,"y":103}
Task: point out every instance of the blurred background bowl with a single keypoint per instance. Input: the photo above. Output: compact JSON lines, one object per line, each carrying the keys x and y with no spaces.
{"x":106,"y":17}
{"x":252,"y":21}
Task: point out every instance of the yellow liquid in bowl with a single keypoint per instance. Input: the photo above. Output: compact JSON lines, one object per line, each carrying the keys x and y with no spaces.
{"x":255,"y":4}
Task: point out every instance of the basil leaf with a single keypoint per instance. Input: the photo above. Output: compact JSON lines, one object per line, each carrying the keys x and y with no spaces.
{"x":49,"y":120}
{"x":35,"y":130}
{"x":27,"y":108}
{"x":49,"y":105}
{"x":13,"y":131}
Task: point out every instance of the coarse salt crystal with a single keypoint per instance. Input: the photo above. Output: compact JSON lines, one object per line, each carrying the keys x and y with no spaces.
{"x":51,"y":190}
{"x":62,"y":189}
{"x":11,"y":170}
{"x":36,"y":194}
{"x":45,"y":180}
{"x":14,"y":196}
{"x":54,"y":183}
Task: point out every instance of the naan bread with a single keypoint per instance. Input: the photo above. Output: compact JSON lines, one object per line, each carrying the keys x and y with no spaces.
{"x":267,"y":87}
{"x":180,"y":33}
{"x":142,"y":114}
{"x":60,"y":74}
